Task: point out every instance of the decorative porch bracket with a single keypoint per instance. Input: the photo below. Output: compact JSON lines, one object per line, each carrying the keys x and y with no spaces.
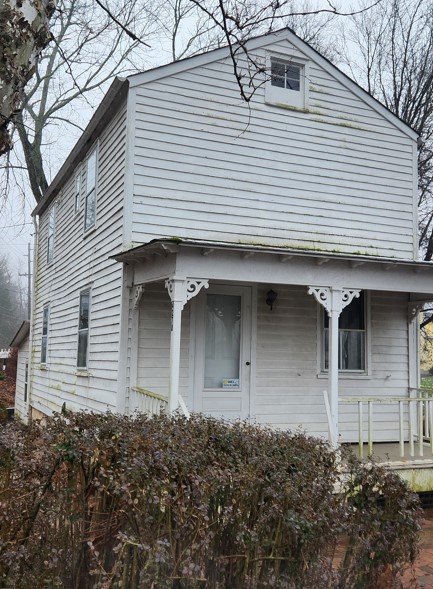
{"x":180,"y":292}
{"x":333,"y":300}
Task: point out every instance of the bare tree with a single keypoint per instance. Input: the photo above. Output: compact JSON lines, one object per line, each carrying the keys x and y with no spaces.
{"x":88,"y":48}
{"x":24,"y":32}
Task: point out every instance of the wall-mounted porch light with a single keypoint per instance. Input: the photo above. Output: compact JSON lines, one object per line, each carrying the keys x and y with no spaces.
{"x":271,"y":297}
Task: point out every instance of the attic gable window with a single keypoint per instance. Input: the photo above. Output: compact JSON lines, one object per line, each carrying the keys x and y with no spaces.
{"x":286,"y":85}
{"x":285,"y":75}
{"x":90,"y":198}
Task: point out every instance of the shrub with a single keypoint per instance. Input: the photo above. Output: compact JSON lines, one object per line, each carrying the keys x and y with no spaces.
{"x":103,"y":501}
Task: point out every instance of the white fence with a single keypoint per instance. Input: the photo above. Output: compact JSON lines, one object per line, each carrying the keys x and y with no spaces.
{"x":415,"y":421}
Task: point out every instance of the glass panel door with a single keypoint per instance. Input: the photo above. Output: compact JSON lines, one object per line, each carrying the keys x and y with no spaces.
{"x":223,"y":352}
{"x":222,"y":341}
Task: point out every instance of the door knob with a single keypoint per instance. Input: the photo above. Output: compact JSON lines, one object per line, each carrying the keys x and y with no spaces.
{"x":247,"y":363}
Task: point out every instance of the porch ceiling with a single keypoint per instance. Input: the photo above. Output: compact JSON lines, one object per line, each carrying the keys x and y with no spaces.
{"x":182,"y":258}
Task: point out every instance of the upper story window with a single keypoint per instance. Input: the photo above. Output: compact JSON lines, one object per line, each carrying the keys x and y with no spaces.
{"x":286,"y":86}
{"x":351,"y":337}
{"x":90,"y":198}
{"x":44,"y":341}
{"x":77,"y":191}
{"x":50,"y":239}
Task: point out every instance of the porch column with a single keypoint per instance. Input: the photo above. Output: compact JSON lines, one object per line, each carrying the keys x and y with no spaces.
{"x":180,"y":291}
{"x":333,"y":300}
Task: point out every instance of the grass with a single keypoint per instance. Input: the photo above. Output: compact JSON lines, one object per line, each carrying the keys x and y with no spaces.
{"x":427,"y":382}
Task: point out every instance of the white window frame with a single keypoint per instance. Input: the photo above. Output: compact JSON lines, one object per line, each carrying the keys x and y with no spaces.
{"x":82,"y":330}
{"x":366,"y":372}
{"x":51,"y":234}
{"x":44,"y":338}
{"x":285,"y":97}
{"x":91,"y":190}
{"x":77,"y":191}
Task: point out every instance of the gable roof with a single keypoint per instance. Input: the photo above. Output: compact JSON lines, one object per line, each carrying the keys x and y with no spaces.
{"x":21,"y":334}
{"x":263,"y":41}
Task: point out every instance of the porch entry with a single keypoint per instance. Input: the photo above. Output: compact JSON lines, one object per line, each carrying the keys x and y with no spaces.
{"x":223,"y":352}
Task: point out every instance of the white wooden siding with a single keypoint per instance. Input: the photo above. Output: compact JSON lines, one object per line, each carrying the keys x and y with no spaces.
{"x":154,"y":342}
{"x":23,"y":358}
{"x":289,"y":393}
{"x":337,"y":177}
{"x":82,"y":261}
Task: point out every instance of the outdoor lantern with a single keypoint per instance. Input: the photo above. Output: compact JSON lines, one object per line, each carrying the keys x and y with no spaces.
{"x":271,"y":297}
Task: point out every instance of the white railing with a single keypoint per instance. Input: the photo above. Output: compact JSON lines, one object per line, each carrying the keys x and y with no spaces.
{"x":145,"y":401}
{"x":415,"y":420}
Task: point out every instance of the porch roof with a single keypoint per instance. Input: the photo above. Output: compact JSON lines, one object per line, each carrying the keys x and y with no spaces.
{"x":167,"y":257}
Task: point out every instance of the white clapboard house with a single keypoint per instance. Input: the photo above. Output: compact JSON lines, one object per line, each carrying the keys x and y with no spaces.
{"x":236,"y":259}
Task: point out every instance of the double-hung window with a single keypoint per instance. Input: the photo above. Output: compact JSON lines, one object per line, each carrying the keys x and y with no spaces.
{"x":44,"y":342}
{"x":83,"y":329}
{"x":351,"y":337}
{"x":90,"y":199}
{"x":51,"y":229}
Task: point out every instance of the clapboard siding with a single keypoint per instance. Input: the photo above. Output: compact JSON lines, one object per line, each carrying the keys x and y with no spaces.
{"x":289,"y":387}
{"x":23,"y":359}
{"x":154,"y":342}
{"x":82,"y":261}
{"x":336,"y":177}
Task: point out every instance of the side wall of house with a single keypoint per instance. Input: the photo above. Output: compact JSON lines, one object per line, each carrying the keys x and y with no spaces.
{"x":80,"y":262}
{"x":20,"y":388}
{"x":335,"y":176}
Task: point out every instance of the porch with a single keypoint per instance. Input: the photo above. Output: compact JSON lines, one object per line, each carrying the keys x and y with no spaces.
{"x":247,"y":332}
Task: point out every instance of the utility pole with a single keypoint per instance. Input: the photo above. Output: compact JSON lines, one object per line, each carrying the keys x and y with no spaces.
{"x":29,"y":281}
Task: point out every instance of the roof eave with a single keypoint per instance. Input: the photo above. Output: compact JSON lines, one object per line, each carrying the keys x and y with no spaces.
{"x":112,"y":100}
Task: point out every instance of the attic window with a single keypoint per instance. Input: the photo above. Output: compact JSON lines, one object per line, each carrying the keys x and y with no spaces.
{"x":286,"y":86}
{"x":285,"y":75}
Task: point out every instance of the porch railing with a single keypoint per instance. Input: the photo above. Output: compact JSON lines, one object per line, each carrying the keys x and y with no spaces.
{"x":419,"y":420}
{"x":145,"y":401}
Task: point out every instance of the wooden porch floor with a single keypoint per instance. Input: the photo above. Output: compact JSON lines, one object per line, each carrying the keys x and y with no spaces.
{"x":390,"y":452}
{"x":416,"y":470}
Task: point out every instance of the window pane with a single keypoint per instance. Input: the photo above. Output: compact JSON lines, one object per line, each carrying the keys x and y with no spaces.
{"x":278,"y":74}
{"x":91,"y":172}
{"x":90,"y":210}
{"x":351,"y":350}
{"x":44,"y":350}
{"x":352,"y":316}
{"x":82,"y":348}
{"x":84,"y":311}
{"x":222,"y":347}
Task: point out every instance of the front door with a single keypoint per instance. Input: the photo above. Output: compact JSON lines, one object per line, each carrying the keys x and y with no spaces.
{"x":223,"y":352}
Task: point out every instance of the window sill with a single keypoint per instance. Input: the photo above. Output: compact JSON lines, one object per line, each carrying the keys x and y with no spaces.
{"x":88,"y":232}
{"x":43,"y":367}
{"x":84,"y":373}
{"x":347,"y":376}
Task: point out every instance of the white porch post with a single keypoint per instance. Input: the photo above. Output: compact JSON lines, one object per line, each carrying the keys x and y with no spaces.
{"x":180,"y":291}
{"x":333,"y":300}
